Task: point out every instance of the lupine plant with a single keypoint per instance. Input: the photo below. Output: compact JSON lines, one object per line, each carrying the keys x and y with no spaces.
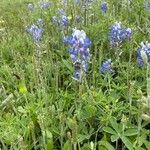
{"x":79,"y":51}
{"x":118,"y":34}
{"x":74,"y":76}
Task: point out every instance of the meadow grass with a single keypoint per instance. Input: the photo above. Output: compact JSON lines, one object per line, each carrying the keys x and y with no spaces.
{"x":43,"y":108}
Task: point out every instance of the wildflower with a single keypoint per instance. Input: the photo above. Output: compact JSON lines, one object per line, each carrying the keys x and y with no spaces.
{"x":86,"y":4}
{"x":61,"y":11}
{"x":147,"y":5}
{"x":118,"y":34}
{"x":103,"y":7}
{"x":63,"y":21}
{"x":78,"y":19}
{"x":79,"y":43}
{"x":106,"y":67}
{"x":54,"y":20}
{"x":79,"y":51}
{"x":44,"y":5}
{"x":40,"y":22}
{"x":143,"y":54}
{"x":35,"y":32}
{"x":31,"y":7}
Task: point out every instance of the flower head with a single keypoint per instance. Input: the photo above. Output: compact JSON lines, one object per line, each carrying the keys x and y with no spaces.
{"x":79,"y":43}
{"x":35,"y":32}
{"x":40,"y":22}
{"x":118,"y":34}
{"x":103,"y":7}
{"x":147,"y":5}
{"x":106,"y":67}
{"x":61,"y":11}
{"x":54,"y":20}
{"x":44,"y":5}
{"x":61,"y":20}
{"x":31,"y":7}
{"x":79,"y":51}
{"x":78,"y":19}
{"x":143,"y":54}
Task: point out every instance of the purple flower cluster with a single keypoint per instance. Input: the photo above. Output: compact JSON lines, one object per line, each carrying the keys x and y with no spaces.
{"x":79,"y":51}
{"x":30,"y":7}
{"x":78,"y":19}
{"x":35,"y":32}
{"x":143,"y":53}
{"x":40,"y":22}
{"x":60,"y":20}
{"x":106,"y":67}
{"x":147,"y":5}
{"x":103,"y":7}
{"x":45,"y":4}
{"x":118,"y":34}
{"x":86,"y":4}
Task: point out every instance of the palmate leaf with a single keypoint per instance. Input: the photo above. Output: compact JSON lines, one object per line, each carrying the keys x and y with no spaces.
{"x":109,"y":130}
{"x":131,"y":132}
{"x":49,"y":145}
{"x":106,"y":144}
{"x":127,"y":142}
{"x":67,"y":146}
{"x":114,"y":124}
{"x":114,"y":137}
{"x":147,"y":144}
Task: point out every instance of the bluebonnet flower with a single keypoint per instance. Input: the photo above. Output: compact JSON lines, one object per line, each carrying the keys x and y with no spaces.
{"x":44,"y":5}
{"x":143,"y":54}
{"x":106,"y":67}
{"x":118,"y":34}
{"x":79,"y":50}
{"x":78,"y":19}
{"x":103,"y":7}
{"x":40,"y":22}
{"x":35,"y":32}
{"x":31,"y":7}
{"x":54,"y":20}
{"x":87,"y":3}
{"x":61,"y":11}
{"x":79,"y":43}
{"x":77,"y":75}
{"x":147,"y":5}
{"x":61,"y":20}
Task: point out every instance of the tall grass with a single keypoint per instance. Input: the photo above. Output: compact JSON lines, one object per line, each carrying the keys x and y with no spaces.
{"x":43,"y":107}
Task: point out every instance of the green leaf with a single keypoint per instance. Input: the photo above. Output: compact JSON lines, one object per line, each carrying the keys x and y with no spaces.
{"x":114,"y":124}
{"x":50,"y":145}
{"x":82,"y":137}
{"x":22,"y":88}
{"x":50,"y":140}
{"x":109,"y":130}
{"x":139,"y":148}
{"x":114,"y":137}
{"x":127,"y":142}
{"x":67,"y":146}
{"x":131,"y":132}
{"x":147,"y":144}
{"x":68,"y":65}
{"x":106,"y":144}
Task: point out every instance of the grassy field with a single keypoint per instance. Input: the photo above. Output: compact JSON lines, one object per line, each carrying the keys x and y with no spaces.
{"x":74,"y":75}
